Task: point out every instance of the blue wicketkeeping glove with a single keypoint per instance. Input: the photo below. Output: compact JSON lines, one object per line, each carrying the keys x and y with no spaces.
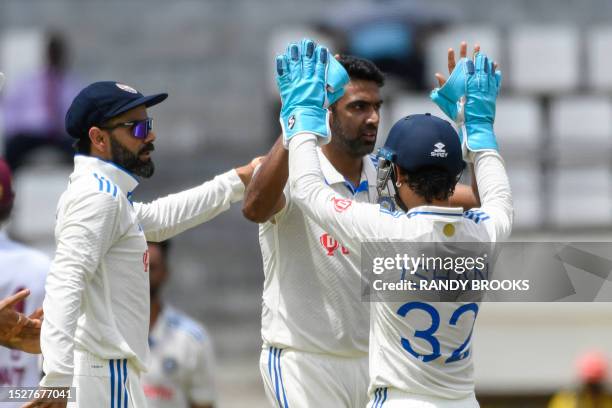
{"x":302,"y":83}
{"x":447,"y":97}
{"x":337,"y":78}
{"x":482,"y":86}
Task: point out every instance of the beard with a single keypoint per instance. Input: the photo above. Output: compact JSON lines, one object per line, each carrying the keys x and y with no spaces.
{"x":132,"y":162}
{"x":355,"y":146}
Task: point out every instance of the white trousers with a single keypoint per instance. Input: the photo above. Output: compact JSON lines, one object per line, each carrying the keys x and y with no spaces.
{"x":106,"y":383}
{"x":296,"y":379}
{"x":392,"y":398}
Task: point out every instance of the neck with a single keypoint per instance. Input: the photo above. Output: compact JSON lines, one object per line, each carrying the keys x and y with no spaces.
{"x":156,"y":308}
{"x":99,"y":155}
{"x":412,"y":200}
{"x":346,"y":164}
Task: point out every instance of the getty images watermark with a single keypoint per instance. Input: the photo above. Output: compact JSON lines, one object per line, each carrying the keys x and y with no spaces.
{"x":502,"y":272}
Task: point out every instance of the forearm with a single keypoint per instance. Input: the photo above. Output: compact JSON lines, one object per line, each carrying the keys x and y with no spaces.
{"x":336,"y":214}
{"x":466,"y":196}
{"x":171,"y":215}
{"x":494,"y":188}
{"x":264,"y":195}
{"x":62,"y":307}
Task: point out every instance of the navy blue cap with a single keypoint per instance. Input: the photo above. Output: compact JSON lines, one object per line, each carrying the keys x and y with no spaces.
{"x":423,"y":140}
{"x":101,"y":101}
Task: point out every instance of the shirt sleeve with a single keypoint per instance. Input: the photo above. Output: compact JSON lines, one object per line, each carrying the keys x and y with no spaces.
{"x":85,"y":232}
{"x":495,"y":193}
{"x":350,"y":222}
{"x":171,"y":215}
{"x":202,"y":382}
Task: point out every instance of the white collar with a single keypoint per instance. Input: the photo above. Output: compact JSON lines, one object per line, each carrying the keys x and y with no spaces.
{"x":435,"y":211}
{"x":125,"y":180}
{"x":333,"y":176}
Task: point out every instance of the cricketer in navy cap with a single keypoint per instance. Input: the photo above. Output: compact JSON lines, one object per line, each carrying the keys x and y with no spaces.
{"x":423,"y":140}
{"x":423,"y":151}
{"x":109,"y":121}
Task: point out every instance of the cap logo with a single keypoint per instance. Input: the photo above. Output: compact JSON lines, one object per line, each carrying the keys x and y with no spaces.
{"x":126,"y":88}
{"x":439,"y":150}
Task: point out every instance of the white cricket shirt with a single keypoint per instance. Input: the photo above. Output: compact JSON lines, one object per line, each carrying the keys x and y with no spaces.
{"x":97,"y":291}
{"x":311,"y":297}
{"x":442,"y":374}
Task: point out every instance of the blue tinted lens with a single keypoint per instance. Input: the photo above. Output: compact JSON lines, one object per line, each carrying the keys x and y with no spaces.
{"x":141,"y":129}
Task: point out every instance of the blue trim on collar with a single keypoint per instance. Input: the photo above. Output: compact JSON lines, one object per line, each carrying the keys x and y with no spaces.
{"x":363,"y":186}
{"x":112,"y":164}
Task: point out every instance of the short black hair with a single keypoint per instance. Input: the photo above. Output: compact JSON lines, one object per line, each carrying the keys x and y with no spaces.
{"x":431,"y":183}
{"x":361,"y":68}
{"x":82,"y":145}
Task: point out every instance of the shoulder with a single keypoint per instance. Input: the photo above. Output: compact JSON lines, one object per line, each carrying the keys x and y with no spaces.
{"x":90,"y":191}
{"x":186,"y":325}
{"x":476,"y":215}
{"x":94,"y":183}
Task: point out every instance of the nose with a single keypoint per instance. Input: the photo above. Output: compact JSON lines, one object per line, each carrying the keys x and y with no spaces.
{"x":150,"y":137}
{"x":373,"y":117}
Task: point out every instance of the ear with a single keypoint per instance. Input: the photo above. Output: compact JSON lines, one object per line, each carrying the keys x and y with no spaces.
{"x":99,"y":140}
{"x":398,"y":172}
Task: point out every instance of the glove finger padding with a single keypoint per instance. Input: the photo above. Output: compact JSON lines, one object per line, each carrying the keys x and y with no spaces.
{"x":308,"y":57}
{"x":295,"y":63}
{"x":482,"y":88}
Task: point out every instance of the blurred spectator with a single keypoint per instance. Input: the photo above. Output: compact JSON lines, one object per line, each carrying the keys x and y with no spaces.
{"x":180,"y":373}
{"x":22,"y":267}
{"x":591,"y":393}
{"x":35,"y":105}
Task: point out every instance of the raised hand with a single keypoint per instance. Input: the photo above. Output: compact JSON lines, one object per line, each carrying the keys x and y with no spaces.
{"x":302,"y":80}
{"x":483,"y":84}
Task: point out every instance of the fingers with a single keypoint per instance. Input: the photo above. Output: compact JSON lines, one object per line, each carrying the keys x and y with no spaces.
{"x":308,"y":54}
{"x":11,"y":300}
{"x":257,"y":161}
{"x":282,"y":65}
{"x":38,"y":314}
{"x":293,"y":53}
{"x":441,"y":79}
{"x":463,"y":49}
{"x":322,"y":58}
{"x":451,"y":60}
{"x":476,"y":50}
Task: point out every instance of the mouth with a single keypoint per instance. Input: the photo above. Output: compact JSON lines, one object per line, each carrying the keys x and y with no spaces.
{"x":369,"y":137}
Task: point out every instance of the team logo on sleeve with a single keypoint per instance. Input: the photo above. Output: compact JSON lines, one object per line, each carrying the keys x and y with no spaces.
{"x":291,"y":121}
{"x":341,"y":204}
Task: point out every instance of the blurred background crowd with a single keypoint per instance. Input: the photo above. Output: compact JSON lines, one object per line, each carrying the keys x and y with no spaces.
{"x":215,"y":59}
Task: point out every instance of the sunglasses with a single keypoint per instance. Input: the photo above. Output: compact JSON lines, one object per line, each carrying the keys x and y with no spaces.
{"x":140,"y":128}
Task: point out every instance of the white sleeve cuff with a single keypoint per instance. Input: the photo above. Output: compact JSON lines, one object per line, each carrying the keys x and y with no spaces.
{"x":237,"y":187}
